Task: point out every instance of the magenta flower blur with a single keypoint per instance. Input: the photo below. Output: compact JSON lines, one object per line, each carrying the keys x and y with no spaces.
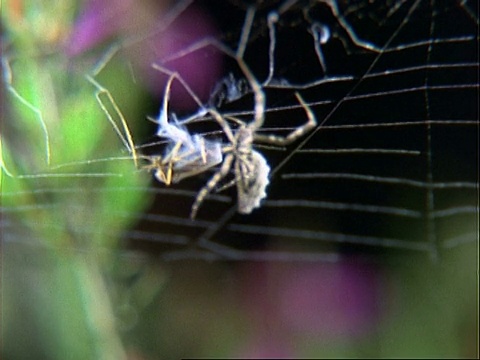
{"x":99,"y":21}
{"x":200,"y":69}
{"x":120,"y":20}
{"x":332,"y":300}
{"x":323,"y":302}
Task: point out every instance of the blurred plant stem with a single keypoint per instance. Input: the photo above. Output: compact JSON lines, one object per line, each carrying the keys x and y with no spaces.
{"x":97,"y":308}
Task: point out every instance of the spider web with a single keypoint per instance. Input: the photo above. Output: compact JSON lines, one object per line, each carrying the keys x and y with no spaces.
{"x":391,"y":168}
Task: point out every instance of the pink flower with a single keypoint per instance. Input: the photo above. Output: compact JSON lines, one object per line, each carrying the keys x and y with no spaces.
{"x":200,"y":69}
{"x":119,"y":20}
{"x":331,"y":300}
{"x":99,"y":21}
{"x":287,"y":302}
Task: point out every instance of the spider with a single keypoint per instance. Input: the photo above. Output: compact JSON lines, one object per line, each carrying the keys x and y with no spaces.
{"x":190,"y":155}
{"x":251,"y":171}
{"x":250,"y":167}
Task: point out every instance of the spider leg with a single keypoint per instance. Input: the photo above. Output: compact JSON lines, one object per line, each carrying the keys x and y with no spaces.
{"x":244,"y":171}
{"x":163,"y":166}
{"x":165,"y":129}
{"x":235,"y":120}
{"x":156,"y":164}
{"x":203,"y":152}
{"x":295,"y":134}
{"x":224,"y":124}
{"x":126,"y":138}
{"x":254,"y":84}
{"x":226,"y":186}
{"x":175,"y":75}
{"x":171,"y":158}
{"x":219,"y":175}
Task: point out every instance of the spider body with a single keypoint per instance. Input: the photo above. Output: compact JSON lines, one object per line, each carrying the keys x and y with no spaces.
{"x":253,"y":183}
{"x":251,"y":171}
{"x":250,"y":168}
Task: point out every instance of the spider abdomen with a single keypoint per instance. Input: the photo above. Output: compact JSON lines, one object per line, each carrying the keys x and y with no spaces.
{"x":253,"y":184}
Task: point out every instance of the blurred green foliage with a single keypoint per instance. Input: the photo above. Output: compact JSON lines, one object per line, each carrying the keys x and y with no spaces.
{"x":58,"y":298}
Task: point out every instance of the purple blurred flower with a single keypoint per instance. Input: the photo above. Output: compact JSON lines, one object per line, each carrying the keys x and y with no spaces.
{"x":319,"y":301}
{"x":102,"y":20}
{"x":200,"y":69}
{"x":267,"y":348}
{"x":99,"y":20}
{"x":330,"y":299}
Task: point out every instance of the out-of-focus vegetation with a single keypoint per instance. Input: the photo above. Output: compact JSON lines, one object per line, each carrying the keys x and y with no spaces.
{"x":60,"y":232}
